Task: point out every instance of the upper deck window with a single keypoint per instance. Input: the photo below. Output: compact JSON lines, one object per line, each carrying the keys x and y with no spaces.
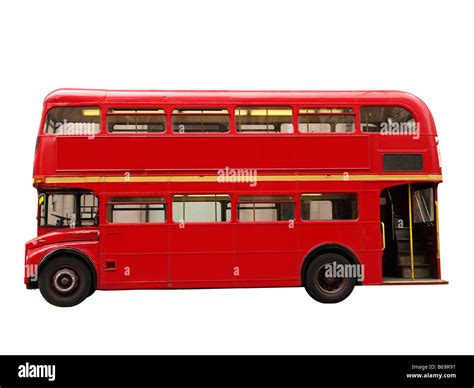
{"x":264,"y":119}
{"x":190,"y":120}
{"x":387,"y":120}
{"x":73,"y":121}
{"x":326,"y":120}
{"x":136,"y":120}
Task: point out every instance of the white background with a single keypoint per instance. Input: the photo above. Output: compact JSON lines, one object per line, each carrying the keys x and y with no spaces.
{"x":421,"y":47}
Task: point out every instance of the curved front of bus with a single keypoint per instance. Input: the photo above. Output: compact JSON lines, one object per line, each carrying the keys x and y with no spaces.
{"x":67,"y":221}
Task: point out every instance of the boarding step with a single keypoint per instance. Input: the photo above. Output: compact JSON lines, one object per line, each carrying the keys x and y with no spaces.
{"x":406,"y":259}
{"x":404,"y":246}
{"x":402,"y":234}
{"x":421,"y":271}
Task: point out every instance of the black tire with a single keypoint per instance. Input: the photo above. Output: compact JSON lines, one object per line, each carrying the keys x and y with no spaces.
{"x":65,"y":281}
{"x":325,"y":289}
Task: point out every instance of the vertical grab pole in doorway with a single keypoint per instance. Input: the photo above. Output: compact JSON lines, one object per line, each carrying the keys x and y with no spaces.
{"x":410,"y":222}
{"x":438,"y":251}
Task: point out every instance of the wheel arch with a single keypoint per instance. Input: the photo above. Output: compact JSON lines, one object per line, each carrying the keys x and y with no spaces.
{"x":71,"y":252}
{"x":331,"y":247}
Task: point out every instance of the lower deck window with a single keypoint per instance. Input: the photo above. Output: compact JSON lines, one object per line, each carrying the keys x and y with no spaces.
{"x":122,"y":210}
{"x":319,"y":207}
{"x":266,"y":208}
{"x":201,"y":208}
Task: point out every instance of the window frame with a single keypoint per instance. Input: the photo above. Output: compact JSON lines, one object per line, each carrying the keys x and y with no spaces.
{"x":170,"y":113}
{"x":77,"y":194}
{"x":293,"y":201}
{"x":388,"y":105}
{"x":226,"y":222}
{"x":136,"y":195}
{"x":357,"y":199}
{"x":263,"y":133}
{"x":432,"y":206}
{"x":353,"y":113}
{"x":108,"y":108}
{"x":80,"y":106}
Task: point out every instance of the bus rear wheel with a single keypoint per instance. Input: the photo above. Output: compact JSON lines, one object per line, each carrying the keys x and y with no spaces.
{"x":65,"y":281}
{"x":327,"y":287}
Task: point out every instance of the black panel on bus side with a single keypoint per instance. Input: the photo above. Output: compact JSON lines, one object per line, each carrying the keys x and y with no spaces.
{"x":402,"y":162}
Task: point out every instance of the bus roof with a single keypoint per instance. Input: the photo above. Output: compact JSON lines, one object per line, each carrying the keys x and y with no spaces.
{"x":100,"y":96}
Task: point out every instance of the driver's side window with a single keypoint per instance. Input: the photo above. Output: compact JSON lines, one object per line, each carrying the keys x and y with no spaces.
{"x":89,"y":205}
{"x":68,"y":209}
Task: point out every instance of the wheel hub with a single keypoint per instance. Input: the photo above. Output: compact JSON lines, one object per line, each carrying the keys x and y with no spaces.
{"x":65,"y":280}
{"x":330,"y":285}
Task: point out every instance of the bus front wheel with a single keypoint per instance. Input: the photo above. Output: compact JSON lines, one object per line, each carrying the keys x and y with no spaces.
{"x":326,"y":279}
{"x":65,"y":281}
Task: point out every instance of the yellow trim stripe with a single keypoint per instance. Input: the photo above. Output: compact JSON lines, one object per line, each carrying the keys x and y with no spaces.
{"x":259,"y":178}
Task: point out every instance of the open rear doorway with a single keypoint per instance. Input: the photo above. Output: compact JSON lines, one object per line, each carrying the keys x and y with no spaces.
{"x":408,"y":214}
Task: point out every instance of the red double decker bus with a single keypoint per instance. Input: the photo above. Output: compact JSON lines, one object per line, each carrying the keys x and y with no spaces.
{"x":211,"y":189}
